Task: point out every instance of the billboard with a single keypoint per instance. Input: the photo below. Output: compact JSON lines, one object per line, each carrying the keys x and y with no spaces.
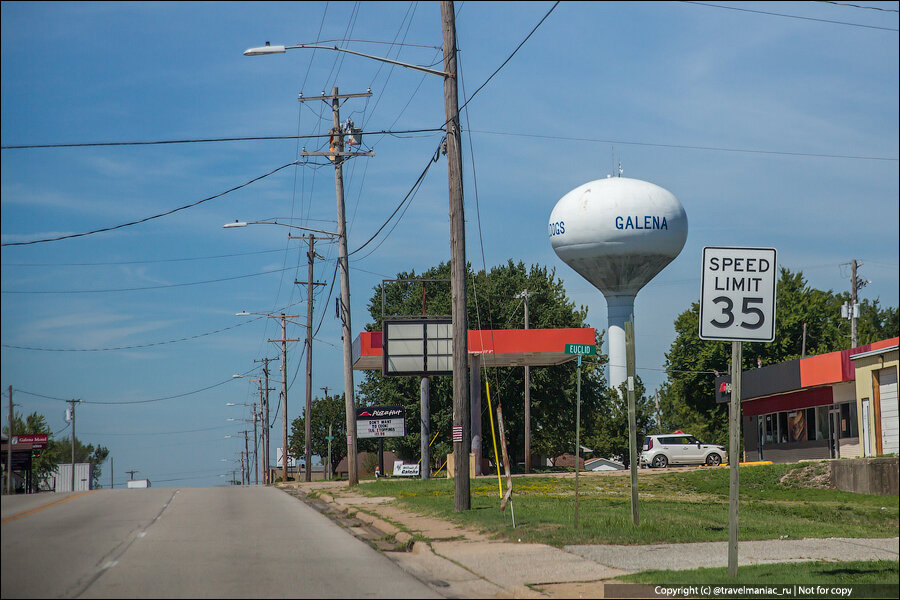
{"x":380,"y":421}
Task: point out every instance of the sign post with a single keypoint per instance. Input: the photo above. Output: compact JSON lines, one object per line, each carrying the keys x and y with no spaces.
{"x":579,"y":350}
{"x":737,"y":304}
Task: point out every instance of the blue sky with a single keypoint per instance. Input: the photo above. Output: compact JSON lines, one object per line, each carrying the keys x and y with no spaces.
{"x":773,"y":130}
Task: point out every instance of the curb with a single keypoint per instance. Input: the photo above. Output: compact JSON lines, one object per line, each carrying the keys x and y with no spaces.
{"x":389,"y":530}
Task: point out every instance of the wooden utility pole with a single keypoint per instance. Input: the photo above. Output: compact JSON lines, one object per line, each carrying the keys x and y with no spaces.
{"x":632,"y":420}
{"x":336,"y":153}
{"x":307,"y":413}
{"x":73,"y":403}
{"x":266,"y":424}
{"x":461,"y":490}
{"x":734,"y":449}
{"x":9,"y":446}
{"x":284,"y":416}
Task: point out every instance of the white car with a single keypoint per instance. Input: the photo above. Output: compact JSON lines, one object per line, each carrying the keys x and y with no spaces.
{"x":680,"y":448}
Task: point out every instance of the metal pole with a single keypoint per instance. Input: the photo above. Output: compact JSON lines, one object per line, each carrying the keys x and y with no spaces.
{"x":632,"y":420}
{"x":329,"y":450}
{"x":734,"y":433}
{"x":461,"y":491}
{"x":527,"y":400}
{"x":577,"y":435}
{"x":268,"y":428}
{"x":112,"y":485}
{"x":425,"y":426}
{"x":344,"y":267}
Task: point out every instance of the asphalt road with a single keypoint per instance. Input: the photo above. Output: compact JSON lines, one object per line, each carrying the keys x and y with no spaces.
{"x":228,"y":542}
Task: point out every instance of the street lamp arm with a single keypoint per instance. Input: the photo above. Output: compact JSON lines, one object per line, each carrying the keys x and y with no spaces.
{"x":267,"y":49}
{"x":245,"y":223}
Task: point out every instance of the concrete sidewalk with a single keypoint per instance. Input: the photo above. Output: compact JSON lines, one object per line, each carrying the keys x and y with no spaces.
{"x":458,"y":562}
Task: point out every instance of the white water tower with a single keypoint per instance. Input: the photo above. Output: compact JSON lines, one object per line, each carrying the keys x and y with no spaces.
{"x":618,"y":233}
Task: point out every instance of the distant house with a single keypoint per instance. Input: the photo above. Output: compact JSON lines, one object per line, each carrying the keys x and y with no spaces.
{"x":365,"y":464}
{"x":603,"y":464}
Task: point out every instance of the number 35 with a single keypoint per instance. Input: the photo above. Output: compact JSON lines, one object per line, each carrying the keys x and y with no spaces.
{"x":746,"y":309}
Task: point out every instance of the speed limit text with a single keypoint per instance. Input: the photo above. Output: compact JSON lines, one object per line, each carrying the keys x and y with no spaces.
{"x":726,"y":270}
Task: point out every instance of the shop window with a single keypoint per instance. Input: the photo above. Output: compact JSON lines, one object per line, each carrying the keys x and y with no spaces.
{"x":782,"y":428}
{"x":822,"y":422}
{"x":811,"y":424}
{"x":771,"y":429}
{"x":849,"y":423}
{"x":796,"y":426}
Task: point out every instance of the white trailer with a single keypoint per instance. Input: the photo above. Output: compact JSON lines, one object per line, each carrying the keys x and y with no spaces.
{"x":138,"y":483}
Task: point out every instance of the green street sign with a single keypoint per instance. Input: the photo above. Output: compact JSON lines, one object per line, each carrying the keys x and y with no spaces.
{"x":586,"y":349}
{"x":329,"y":437}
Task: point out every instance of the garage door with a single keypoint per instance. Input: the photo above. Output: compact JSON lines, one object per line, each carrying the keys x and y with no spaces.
{"x":890,"y":428}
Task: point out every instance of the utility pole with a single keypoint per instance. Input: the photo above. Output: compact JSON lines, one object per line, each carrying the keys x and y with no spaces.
{"x":307,"y":413}
{"x":337,"y":154}
{"x":855,"y":284}
{"x":112,"y":485}
{"x":284,"y":417}
{"x":9,"y":446}
{"x":328,"y":469}
{"x":265,"y":415}
{"x":247,"y":453}
{"x":73,"y":403}
{"x":255,"y":447}
{"x":524,"y":295}
{"x":131,"y":473}
{"x":461,"y":490}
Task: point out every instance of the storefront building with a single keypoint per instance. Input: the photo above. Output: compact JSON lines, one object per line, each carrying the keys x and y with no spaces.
{"x":837,"y":405}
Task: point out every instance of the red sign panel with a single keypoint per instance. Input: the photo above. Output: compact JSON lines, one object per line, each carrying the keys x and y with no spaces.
{"x":37,"y":440}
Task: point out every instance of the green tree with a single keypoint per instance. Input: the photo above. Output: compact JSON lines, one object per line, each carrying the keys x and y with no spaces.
{"x":687,"y":399}
{"x":492,"y":304}
{"x":59,"y":451}
{"x":326,"y":411}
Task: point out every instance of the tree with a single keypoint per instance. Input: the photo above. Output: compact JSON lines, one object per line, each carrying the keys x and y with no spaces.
{"x":687,"y":399}
{"x":57,"y":451}
{"x":492,"y":304}
{"x":324,"y":412}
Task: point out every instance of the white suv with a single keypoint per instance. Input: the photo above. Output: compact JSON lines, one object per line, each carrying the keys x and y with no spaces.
{"x":680,"y":448}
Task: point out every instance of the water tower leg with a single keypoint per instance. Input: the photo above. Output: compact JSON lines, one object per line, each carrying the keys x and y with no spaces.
{"x":620,"y":309}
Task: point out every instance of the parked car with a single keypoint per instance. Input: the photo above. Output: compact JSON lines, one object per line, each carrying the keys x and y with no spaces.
{"x":680,"y":448}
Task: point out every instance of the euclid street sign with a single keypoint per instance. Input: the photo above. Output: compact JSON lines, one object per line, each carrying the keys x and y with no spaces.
{"x":737,"y":301}
{"x":586,"y":349}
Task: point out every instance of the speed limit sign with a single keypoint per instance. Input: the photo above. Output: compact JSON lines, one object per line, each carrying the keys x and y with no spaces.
{"x":737,"y":301}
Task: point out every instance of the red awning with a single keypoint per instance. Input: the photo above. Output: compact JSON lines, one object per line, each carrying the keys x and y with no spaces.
{"x":791,"y":401}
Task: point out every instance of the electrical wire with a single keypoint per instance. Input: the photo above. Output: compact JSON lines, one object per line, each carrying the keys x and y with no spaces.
{"x":139,"y":262}
{"x":150,"y":218}
{"x":688,"y":147}
{"x":762,"y":12}
{"x":148,"y":287}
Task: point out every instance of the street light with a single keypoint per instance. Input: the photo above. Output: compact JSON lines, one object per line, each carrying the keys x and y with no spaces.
{"x":461,"y":408}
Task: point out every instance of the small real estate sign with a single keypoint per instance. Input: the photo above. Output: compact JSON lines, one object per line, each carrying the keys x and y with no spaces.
{"x":405,"y":470}
{"x":380,"y":421}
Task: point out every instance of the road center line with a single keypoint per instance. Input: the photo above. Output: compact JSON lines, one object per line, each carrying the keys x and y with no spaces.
{"x":43,"y":507}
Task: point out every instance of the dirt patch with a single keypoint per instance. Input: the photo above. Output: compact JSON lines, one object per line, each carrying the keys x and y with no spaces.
{"x":815,"y":476}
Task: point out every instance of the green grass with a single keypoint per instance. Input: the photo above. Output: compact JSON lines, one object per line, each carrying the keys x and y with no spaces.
{"x":806,"y":573}
{"x":676,"y":506}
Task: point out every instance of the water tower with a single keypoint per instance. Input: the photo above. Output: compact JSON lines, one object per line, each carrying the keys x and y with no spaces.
{"x":618,"y":233}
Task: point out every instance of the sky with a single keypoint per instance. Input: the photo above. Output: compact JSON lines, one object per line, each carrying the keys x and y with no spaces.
{"x":775,"y":124}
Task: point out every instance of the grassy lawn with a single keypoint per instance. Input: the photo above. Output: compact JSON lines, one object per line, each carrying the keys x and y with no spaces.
{"x":807,"y":574}
{"x":675,"y":506}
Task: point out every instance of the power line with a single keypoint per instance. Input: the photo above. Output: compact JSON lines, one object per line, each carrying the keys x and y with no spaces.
{"x":145,"y":219}
{"x":858,"y":6}
{"x":260,"y":138}
{"x":139,"y":262}
{"x":762,"y":12}
{"x":687,"y":147}
{"x":147,"y":287}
